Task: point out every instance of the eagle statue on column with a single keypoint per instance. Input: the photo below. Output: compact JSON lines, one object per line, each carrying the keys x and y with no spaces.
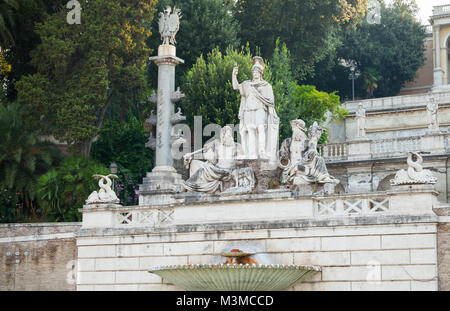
{"x":169,"y":24}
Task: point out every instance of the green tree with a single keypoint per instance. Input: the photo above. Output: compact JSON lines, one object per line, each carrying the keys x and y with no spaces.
{"x":7,"y":22}
{"x":9,"y":206}
{"x":83,"y":69}
{"x":279,"y":73}
{"x":205,"y":24}
{"x":307,"y":27}
{"x":23,"y":158}
{"x":318,"y":106}
{"x":64,"y":189}
{"x":124,"y":144}
{"x":208,"y":88}
{"x":25,"y":39}
{"x":387,"y":54}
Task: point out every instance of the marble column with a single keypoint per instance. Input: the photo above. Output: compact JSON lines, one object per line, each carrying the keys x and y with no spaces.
{"x":166,"y":62}
{"x":159,"y":185}
{"x":438,"y":73}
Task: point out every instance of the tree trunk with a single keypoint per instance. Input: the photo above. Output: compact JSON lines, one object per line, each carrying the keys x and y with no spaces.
{"x":86,"y":148}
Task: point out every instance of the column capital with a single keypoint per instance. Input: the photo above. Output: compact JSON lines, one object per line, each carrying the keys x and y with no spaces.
{"x":166,"y":60}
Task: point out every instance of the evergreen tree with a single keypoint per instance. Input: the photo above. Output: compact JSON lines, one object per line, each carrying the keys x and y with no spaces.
{"x":307,"y":27}
{"x":84,"y":69}
{"x":387,"y":55}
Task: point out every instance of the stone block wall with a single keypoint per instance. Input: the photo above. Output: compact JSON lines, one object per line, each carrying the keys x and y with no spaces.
{"x":362,"y":253}
{"x":38,"y":256}
{"x":443,"y":240}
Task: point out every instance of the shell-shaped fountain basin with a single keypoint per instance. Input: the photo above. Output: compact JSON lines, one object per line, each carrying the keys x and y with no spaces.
{"x":235,"y":277}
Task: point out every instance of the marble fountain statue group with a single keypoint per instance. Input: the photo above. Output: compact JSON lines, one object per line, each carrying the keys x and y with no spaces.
{"x":257,"y":160}
{"x":225,"y":167}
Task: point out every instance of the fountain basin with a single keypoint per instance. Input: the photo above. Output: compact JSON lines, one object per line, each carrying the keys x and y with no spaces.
{"x":235,"y":277}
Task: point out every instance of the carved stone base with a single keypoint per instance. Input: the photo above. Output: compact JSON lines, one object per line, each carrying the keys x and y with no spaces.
{"x":267,"y":176}
{"x":310,"y":189}
{"x":412,"y":187}
{"x":160,"y":186}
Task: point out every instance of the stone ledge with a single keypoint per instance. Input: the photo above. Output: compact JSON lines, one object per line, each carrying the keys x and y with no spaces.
{"x":264,"y":225}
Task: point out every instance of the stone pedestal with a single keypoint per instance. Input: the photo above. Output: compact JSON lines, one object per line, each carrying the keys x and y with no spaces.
{"x":313,"y":189}
{"x":160,"y":186}
{"x":267,"y":176}
{"x":438,"y":77}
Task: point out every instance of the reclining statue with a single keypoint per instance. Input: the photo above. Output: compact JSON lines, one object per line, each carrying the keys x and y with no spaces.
{"x":219,"y":161}
{"x":304,"y":164}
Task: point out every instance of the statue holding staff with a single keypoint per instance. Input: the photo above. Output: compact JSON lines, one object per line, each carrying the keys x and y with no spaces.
{"x":259,"y":122}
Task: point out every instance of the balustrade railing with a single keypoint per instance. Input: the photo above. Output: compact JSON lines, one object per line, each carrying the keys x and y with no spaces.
{"x":405,"y":101}
{"x":382,"y":148}
{"x":394,"y":146}
{"x":143,"y":218}
{"x":441,"y":9}
{"x":351,"y":206}
{"x":334,"y":151}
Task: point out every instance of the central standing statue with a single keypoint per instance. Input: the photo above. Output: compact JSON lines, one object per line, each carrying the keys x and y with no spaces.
{"x":258,"y":119}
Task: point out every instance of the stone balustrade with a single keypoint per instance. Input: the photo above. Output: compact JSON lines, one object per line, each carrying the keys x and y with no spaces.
{"x":276,"y":205}
{"x":384,"y":148}
{"x":441,"y":10}
{"x":396,"y":102}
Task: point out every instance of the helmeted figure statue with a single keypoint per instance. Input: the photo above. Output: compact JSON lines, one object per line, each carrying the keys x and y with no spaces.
{"x":169,"y":24}
{"x":259,"y":122}
{"x":432,"y":114}
{"x":304,"y":164}
{"x":219,"y":156}
{"x":361,"y":121}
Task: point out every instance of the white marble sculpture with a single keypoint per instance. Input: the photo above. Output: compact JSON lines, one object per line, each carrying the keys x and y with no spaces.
{"x":219,"y":161}
{"x":432,"y":114}
{"x":105,"y":194}
{"x":361,"y":121}
{"x":304,"y":164}
{"x":169,"y":24}
{"x":259,"y":122}
{"x":415,"y":174}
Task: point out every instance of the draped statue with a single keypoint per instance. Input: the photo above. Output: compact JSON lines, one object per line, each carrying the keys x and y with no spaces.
{"x":304,"y":164}
{"x":219,"y":162}
{"x":259,"y":122}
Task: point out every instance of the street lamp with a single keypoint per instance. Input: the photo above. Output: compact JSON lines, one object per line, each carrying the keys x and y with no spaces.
{"x":113,"y":168}
{"x":353,"y":75}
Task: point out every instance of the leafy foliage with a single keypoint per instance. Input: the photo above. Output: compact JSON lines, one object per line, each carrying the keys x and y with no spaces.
{"x":307,"y":27}
{"x":315,"y":104}
{"x":5,"y":68}
{"x":9,"y":203}
{"x":279,"y":73}
{"x":63,"y":190}
{"x":7,"y":21}
{"x":208,"y":88}
{"x":124,"y":144}
{"x":387,"y":54}
{"x":23,"y":158}
{"x":83,"y":69}
{"x":25,"y":39}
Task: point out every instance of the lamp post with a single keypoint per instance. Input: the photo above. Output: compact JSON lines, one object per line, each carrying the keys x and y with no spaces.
{"x":113,"y":168}
{"x":353,"y":75}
